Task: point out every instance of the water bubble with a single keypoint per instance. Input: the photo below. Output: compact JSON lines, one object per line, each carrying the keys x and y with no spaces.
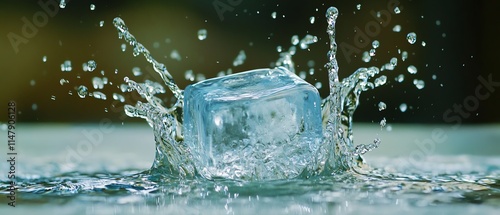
{"x":273,"y":15}
{"x":366,"y":57}
{"x":32,"y":82}
{"x":358,"y":6}
{"x":92,"y":6}
{"x":318,"y":85}
{"x":375,"y":44}
{"x":380,"y":81}
{"x":99,"y":95}
{"x":123,"y":46}
{"x":175,"y":55}
{"x":312,"y":19}
{"x":403,"y":107}
{"x":307,"y":40}
{"x":411,"y":37}
{"x":420,"y":84}
{"x":295,"y":40}
{"x":101,"y":23}
{"x":82,"y":91}
{"x":97,"y":83}
{"x":189,"y":75}
{"x":44,"y":59}
{"x":381,"y":106}
{"x":136,"y":71}
{"x":396,"y":28}
{"x":63,"y":81}
{"x":34,"y":106}
{"x":66,"y":66}
{"x":91,"y":65}
{"x":404,"y":55}
{"x":240,"y":59}
{"x":118,"y":97}
{"x":62,"y":4}
{"x":397,"y":10}
{"x":400,"y":78}
{"x":412,"y":69}
{"x":202,"y":34}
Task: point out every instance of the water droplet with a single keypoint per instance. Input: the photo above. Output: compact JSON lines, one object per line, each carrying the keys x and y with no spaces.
{"x":434,"y":77}
{"x":438,"y":22}
{"x":397,"y":10}
{"x":411,"y":37}
{"x":97,"y":83}
{"x":358,"y":6}
{"x":53,"y":97}
{"x":372,"y":52}
{"x":118,"y":97}
{"x":99,"y":95}
{"x":32,"y":82}
{"x":307,"y":40}
{"x":188,"y":75}
{"x":380,"y":81}
{"x":404,"y":55}
{"x":279,"y":49}
{"x":62,"y":4}
{"x":366,"y":57}
{"x":318,"y":85}
{"x":394,"y":62}
{"x":383,"y":122}
{"x":82,"y":91}
{"x":34,"y":106}
{"x":311,"y":71}
{"x":295,"y":40}
{"x":273,"y":15}
{"x":123,"y":47}
{"x":136,"y":71}
{"x":44,"y":59}
{"x":420,"y":84}
{"x":91,"y":65}
{"x":66,"y":66}
{"x":312,"y":19}
{"x":63,"y":81}
{"x":175,"y":55}
{"x":125,"y":88}
{"x":375,"y":44}
{"x":311,"y":63}
{"x":403,"y":107}
{"x":101,"y":23}
{"x":397,"y":28}
{"x":412,"y":69}
{"x":92,"y":6}
{"x":381,"y":106}
{"x":200,"y":77}
{"x":424,"y":44}
{"x":443,"y":35}
{"x":303,"y":74}
{"x":240,"y":59}
{"x":202,"y":34}
{"x":400,"y":78}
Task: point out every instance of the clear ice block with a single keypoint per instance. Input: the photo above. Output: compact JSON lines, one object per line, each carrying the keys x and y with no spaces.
{"x":257,"y":125}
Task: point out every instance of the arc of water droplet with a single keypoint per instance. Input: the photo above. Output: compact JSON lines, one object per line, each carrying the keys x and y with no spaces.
{"x":160,"y":68}
{"x":332,"y":65}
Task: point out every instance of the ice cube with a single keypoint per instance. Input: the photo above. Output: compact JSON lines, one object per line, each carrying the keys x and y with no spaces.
{"x":257,"y":125}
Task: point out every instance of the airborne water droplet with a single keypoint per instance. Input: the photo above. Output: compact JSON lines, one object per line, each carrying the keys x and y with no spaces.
{"x":136,"y":71}
{"x":44,"y":59}
{"x":295,"y":40}
{"x":202,"y":34}
{"x":82,"y":91}
{"x":92,"y":6}
{"x":97,"y":83}
{"x":397,"y":28}
{"x":307,"y":40}
{"x":412,"y":69}
{"x":411,"y":37}
{"x":101,"y":23}
{"x":358,"y":6}
{"x":273,"y":15}
{"x":66,"y":66}
{"x":188,"y":75}
{"x":123,"y":47}
{"x":91,"y":65}
{"x":394,"y":62}
{"x":240,"y":59}
{"x":375,"y":44}
{"x":63,"y":81}
{"x":383,"y":122}
{"x":381,"y":106}
{"x":403,"y":107}
{"x":420,"y":84}
{"x":312,"y":19}
{"x":366,"y":57}
{"x":175,"y":55}
{"x":404,"y":55}
{"x":397,"y":10}
{"x":372,"y":52}
{"x":62,"y":4}
{"x":99,"y":95}
{"x":400,"y":78}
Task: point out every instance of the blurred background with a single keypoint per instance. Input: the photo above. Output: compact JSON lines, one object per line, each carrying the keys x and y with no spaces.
{"x":460,"y":46}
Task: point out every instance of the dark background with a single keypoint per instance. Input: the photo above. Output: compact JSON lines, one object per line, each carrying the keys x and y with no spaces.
{"x":470,"y":49}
